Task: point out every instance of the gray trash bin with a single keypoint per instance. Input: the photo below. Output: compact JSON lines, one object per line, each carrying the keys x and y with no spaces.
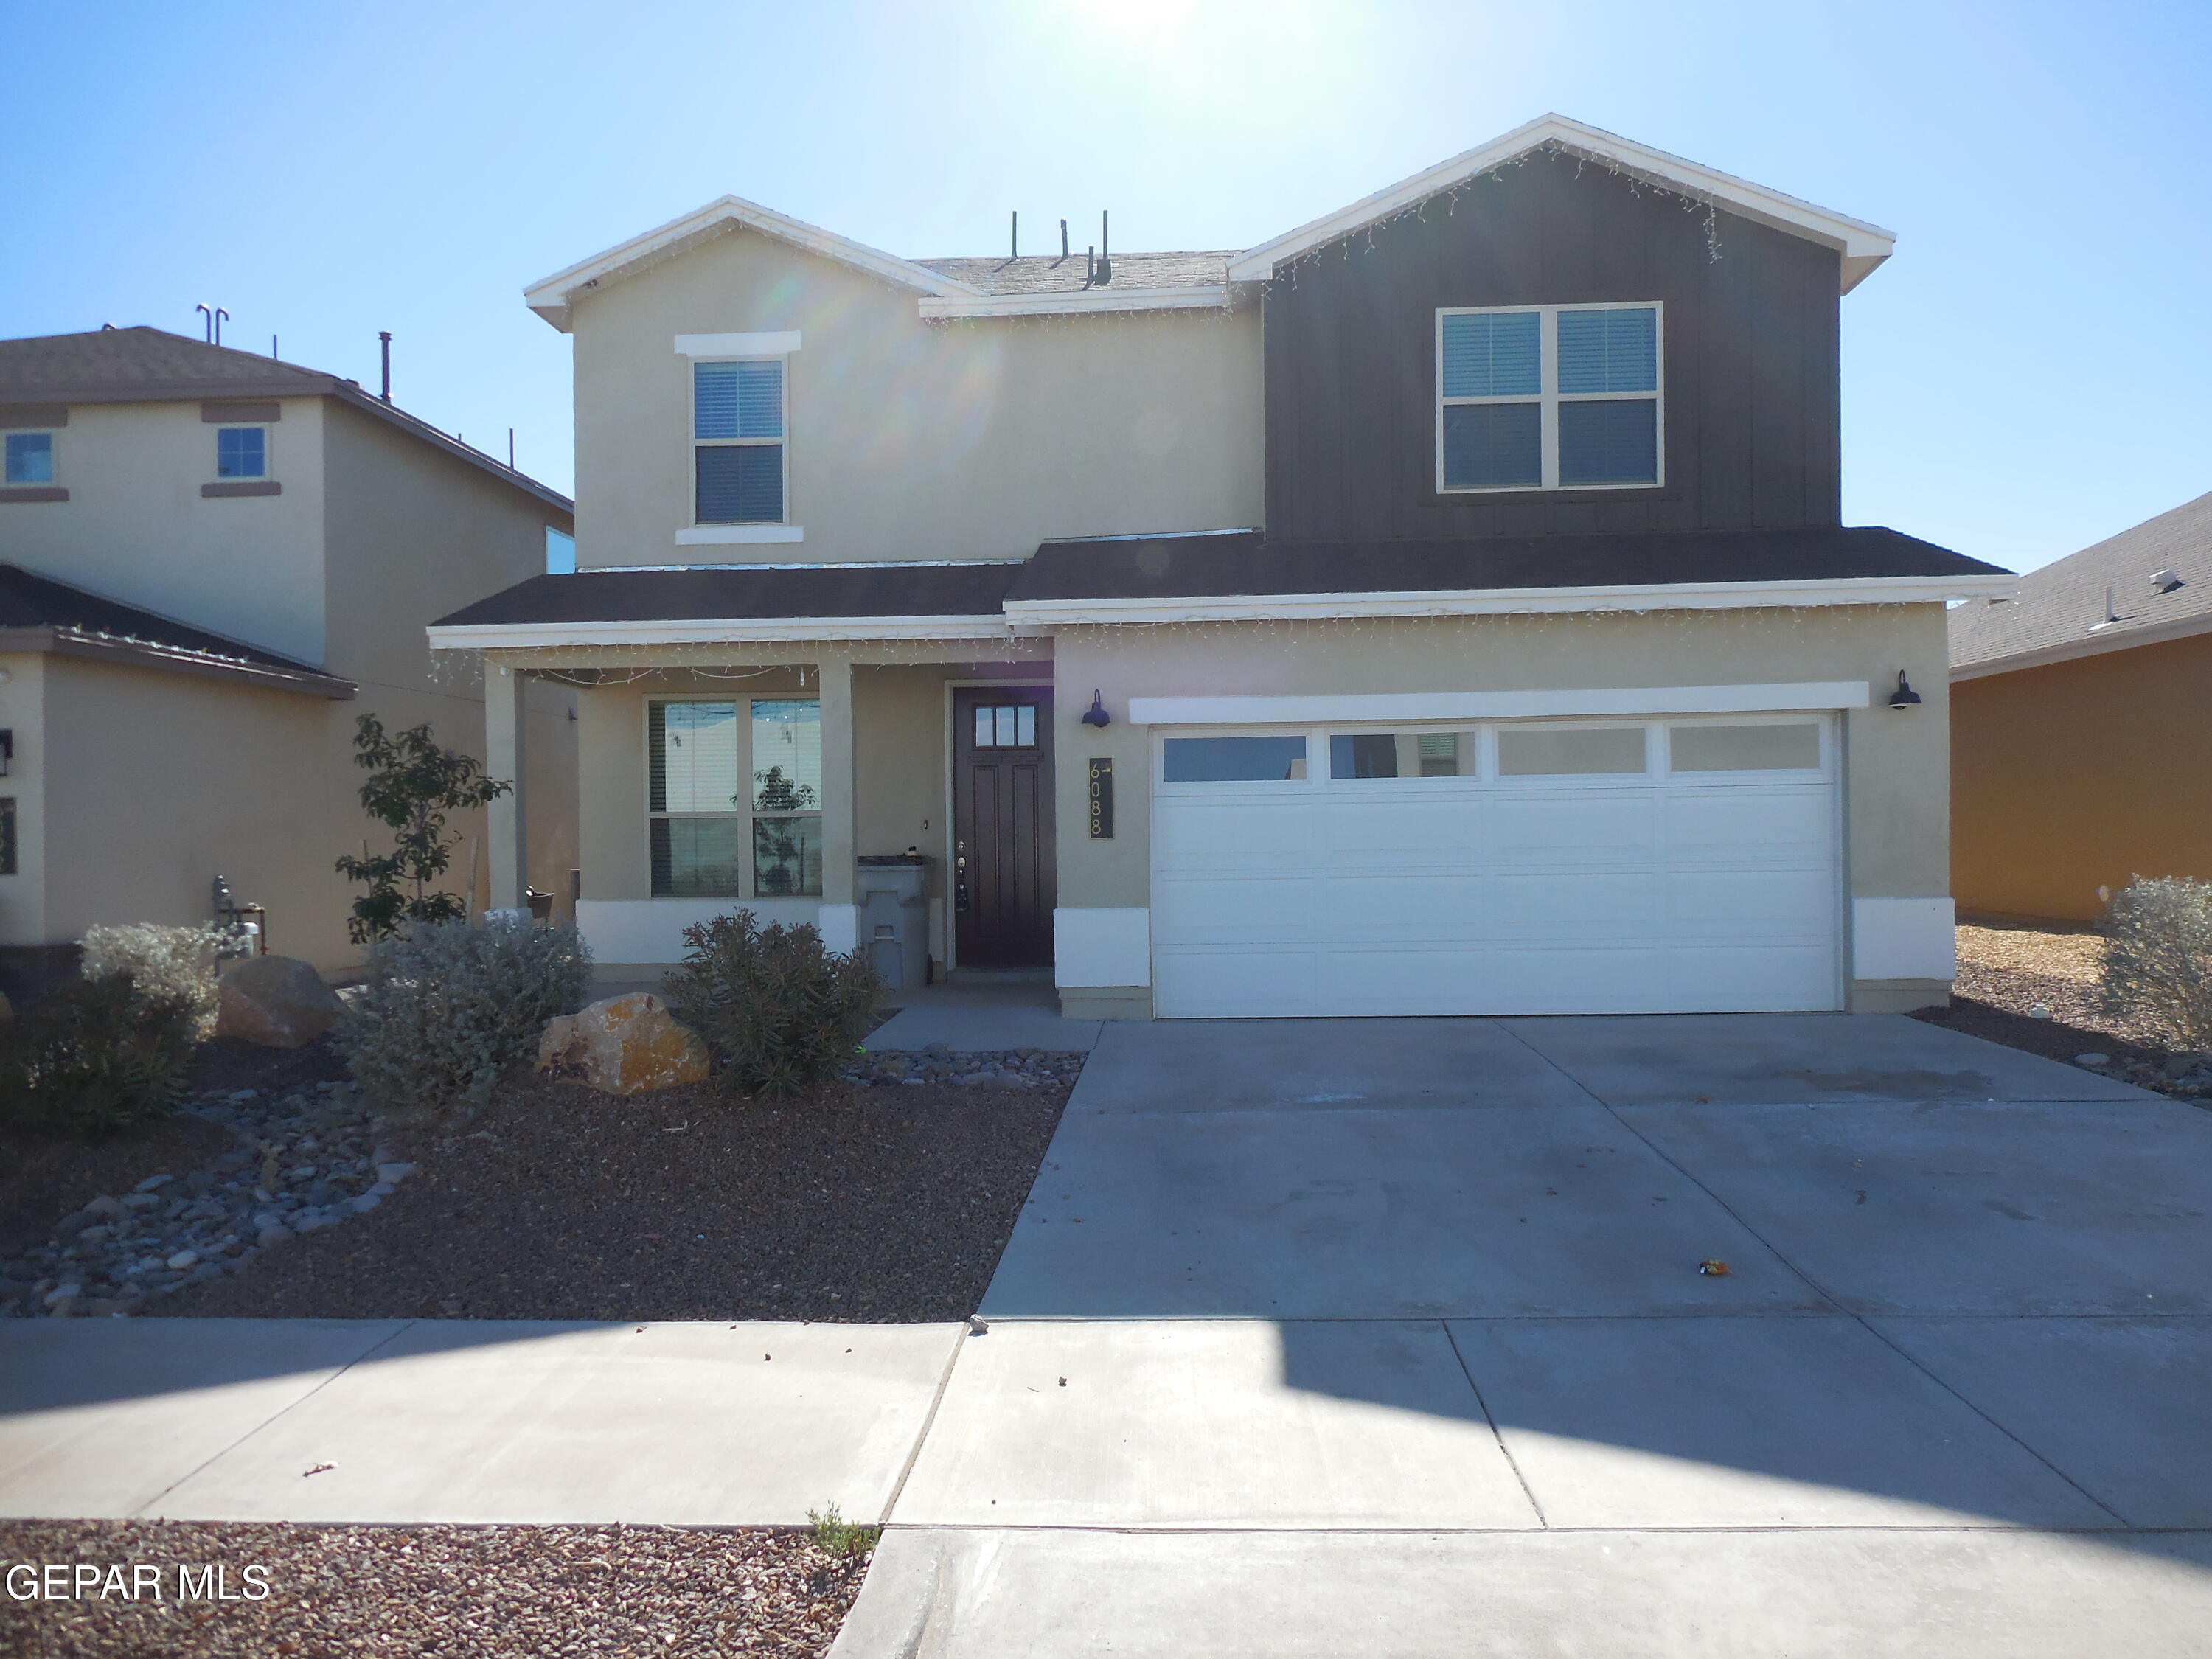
{"x":894,"y":906}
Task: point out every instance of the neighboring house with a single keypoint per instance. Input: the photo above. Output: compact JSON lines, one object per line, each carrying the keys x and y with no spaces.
{"x":2080,"y":754}
{"x":210,"y":563}
{"x":1458,"y":581}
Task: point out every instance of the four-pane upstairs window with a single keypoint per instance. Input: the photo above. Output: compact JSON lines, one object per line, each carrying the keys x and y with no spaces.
{"x":1549,"y":398}
{"x":738,"y":452}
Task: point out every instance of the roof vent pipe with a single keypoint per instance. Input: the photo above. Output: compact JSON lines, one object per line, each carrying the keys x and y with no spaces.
{"x":383,"y":344}
{"x":1063,"y":241}
{"x":1014,"y":237}
{"x":1105,"y":251}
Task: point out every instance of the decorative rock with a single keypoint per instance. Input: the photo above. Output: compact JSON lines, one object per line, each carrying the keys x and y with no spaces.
{"x":365,"y":1203}
{"x":182,"y":1260}
{"x":104,"y":1206}
{"x":153,"y":1184}
{"x":623,"y":1045}
{"x":393,"y":1173}
{"x":279,"y":1002}
{"x":142,"y":1202}
{"x":2094,"y":1062}
{"x":63,"y":1294}
{"x":275,"y":1233}
{"x":2178,"y":1067}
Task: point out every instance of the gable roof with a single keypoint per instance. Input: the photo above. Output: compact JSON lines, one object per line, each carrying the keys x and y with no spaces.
{"x":37,"y":613}
{"x":2059,"y":611}
{"x":1863,"y":246}
{"x":550,"y":297}
{"x":139,"y":364}
{"x":987,"y":286}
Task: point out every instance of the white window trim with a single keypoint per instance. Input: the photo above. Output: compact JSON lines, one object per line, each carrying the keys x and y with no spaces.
{"x":1548,"y":396}
{"x":1394,"y":709}
{"x":52,"y":434}
{"x":744,"y":815}
{"x":738,"y":345}
{"x":695,"y":534}
{"x":268,"y":452}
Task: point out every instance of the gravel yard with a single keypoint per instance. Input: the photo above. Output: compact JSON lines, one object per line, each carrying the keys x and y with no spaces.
{"x":889,"y":1202}
{"x":546,"y":1592}
{"x":2035,"y":988}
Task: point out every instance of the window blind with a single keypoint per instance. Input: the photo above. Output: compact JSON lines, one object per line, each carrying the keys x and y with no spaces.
{"x":1609,"y":350}
{"x":1493,"y":355}
{"x":737,"y":400}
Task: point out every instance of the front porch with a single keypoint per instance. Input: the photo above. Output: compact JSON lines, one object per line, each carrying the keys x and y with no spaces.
{"x":807,"y":781}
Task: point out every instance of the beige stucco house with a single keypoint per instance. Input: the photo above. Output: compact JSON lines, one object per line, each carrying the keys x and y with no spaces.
{"x":210,"y":563}
{"x":1442,"y":608}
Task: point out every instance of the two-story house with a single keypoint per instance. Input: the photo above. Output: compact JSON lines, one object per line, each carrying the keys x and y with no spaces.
{"x":210,"y":563}
{"x":1441,"y":609}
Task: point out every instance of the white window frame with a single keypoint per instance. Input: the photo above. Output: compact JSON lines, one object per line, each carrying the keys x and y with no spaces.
{"x":759,"y":348}
{"x":1548,"y":396}
{"x":52,"y":434}
{"x":268,"y":451}
{"x":744,"y":815}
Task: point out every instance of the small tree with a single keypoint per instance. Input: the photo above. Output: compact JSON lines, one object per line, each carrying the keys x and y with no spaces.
{"x":413,"y":784}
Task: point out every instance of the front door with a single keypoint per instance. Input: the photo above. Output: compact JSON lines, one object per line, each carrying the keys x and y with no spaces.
{"x":1003,"y":882}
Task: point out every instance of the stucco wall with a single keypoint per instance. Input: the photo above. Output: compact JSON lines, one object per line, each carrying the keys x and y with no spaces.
{"x":22,"y":706}
{"x":415,"y":533}
{"x":912,"y":440}
{"x":137,"y":528}
{"x":2082,"y":774}
{"x":1896,"y":766}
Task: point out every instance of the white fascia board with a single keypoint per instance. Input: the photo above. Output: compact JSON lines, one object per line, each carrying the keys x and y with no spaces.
{"x":2089,"y":645}
{"x":738,"y":535}
{"x":737,"y":630}
{"x":1215,"y":297}
{"x":781,"y":344}
{"x":550,"y":297}
{"x":1863,"y":246}
{"x":1503,"y":602}
{"x":1375,"y":708}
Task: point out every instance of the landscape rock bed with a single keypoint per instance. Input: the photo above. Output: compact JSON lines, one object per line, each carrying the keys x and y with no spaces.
{"x":1003,"y":1068}
{"x":547,"y":1592}
{"x":299,"y":1160}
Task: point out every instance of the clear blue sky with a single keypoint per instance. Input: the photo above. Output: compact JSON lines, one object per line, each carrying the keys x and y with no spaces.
{"x":2027,"y":374}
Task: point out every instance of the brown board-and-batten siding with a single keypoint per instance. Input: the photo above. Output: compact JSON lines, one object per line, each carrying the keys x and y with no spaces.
{"x":1750,"y":351}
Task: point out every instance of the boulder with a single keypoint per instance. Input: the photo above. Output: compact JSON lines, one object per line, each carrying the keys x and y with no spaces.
{"x":624,"y":1045}
{"x":279,"y":1002}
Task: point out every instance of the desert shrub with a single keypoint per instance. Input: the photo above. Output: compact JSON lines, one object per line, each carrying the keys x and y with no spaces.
{"x":776,"y":1010}
{"x":2158,"y":956}
{"x":95,"y":1058}
{"x":162,"y":962}
{"x":446,"y":1008}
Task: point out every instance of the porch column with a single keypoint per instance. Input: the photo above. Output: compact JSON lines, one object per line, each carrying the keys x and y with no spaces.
{"x":505,"y":817}
{"x":841,"y":923}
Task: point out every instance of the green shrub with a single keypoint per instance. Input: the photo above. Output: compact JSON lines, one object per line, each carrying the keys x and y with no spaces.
{"x":777,"y":1012}
{"x":162,"y":962}
{"x":833,"y":1535}
{"x":2158,"y":956}
{"x":446,"y":1008}
{"x":94,"y":1059}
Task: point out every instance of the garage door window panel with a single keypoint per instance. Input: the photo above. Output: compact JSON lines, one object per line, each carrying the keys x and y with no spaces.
{"x":1270,"y":759}
{"x":1571,"y":751}
{"x":1762,"y":747}
{"x":1360,"y":756}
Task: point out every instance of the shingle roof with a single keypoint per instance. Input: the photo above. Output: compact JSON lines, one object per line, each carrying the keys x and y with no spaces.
{"x":1049,"y":274}
{"x":2064,"y":603}
{"x":151,"y":365}
{"x":1182,"y":567}
{"x":733,"y":592}
{"x":31,"y":603}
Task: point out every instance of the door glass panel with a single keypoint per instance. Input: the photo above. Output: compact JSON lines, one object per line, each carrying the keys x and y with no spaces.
{"x":1568,"y":750}
{"x":787,"y":753}
{"x":1234,"y":760}
{"x":1006,"y":726}
{"x":694,"y":757}
{"x":694,"y":858}
{"x":1744,"y":748}
{"x":1402,"y":755}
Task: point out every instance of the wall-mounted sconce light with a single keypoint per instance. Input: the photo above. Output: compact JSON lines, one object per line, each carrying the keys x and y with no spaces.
{"x":1096,"y":714}
{"x":1904,"y":696}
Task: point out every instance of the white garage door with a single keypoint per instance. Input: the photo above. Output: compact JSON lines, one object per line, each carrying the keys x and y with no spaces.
{"x":1651,"y":867}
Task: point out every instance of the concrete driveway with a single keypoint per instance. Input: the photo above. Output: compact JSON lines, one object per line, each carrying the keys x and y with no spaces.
{"x":1388,"y":1337}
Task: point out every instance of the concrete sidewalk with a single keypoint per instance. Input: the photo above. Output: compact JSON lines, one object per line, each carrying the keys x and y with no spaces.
{"x":461,"y":1421}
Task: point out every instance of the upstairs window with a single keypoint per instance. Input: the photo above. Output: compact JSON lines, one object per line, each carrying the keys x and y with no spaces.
{"x":1549,"y":398}
{"x":30,"y":458}
{"x":738,"y":453}
{"x":241,"y":452}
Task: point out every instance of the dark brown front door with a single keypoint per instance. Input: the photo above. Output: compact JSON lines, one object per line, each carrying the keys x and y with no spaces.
{"x":1003,"y":884}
